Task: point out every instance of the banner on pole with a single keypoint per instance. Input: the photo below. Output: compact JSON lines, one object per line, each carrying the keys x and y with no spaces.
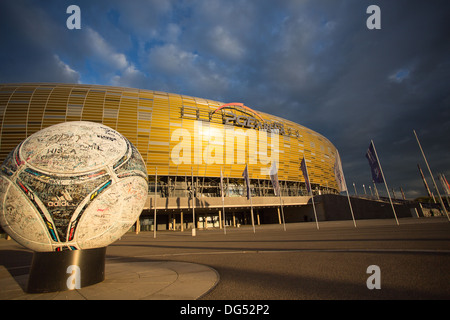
{"x":273,"y":173}
{"x":377,"y":177}
{"x":305,"y":174}
{"x":339,"y":174}
{"x":247,"y":181}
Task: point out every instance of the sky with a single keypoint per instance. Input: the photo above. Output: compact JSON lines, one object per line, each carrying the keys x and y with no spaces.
{"x":314,"y":62}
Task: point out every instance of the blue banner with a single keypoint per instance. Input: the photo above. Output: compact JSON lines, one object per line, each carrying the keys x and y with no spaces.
{"x":247,"y":181}
{"x":377,"y":177}
{"x":305,"y":174}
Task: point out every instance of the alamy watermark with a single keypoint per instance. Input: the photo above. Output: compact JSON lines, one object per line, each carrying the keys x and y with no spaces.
{"x":374,"y":281}
{"x":206,"y":144}
{"x":374,"y":20}
{"x":74,"y":280}
{"x":74,"y":20}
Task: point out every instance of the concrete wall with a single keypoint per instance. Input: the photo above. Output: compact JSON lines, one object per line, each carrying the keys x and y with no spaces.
{"x":296,"y":209}
{"x":336,"y":207}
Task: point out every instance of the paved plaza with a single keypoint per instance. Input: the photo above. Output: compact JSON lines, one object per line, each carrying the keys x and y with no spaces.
{"x":302,"y":262}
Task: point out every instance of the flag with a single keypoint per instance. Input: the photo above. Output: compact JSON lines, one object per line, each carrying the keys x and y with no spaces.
{"x":274,"y":178}
{"x":305,"y":174}
{"x":339,"y":174}
{"x":308,"y":186}
{"x":247,"y":181}
{"x":377,"y":177}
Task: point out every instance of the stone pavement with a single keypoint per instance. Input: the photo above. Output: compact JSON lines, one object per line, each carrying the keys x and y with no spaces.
{"x":140,"y":280}
{"x":271,"y":264}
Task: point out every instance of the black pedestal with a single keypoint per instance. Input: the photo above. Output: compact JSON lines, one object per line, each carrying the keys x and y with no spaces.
{"x":66,"y":270}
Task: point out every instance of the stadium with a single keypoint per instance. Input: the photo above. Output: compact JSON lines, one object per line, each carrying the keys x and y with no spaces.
{"x":195,"y":151}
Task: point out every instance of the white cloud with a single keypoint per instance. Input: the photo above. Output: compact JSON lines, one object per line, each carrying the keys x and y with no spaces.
{"x":130,"y":77}
{"x":65,"y":71}
{"x":104,"y":51}
{"x":172,"y":60}
{"x":119,"y":70}
{"x":224,"y":43}
{"x":197,"y":75}
{"x":173,"y":33}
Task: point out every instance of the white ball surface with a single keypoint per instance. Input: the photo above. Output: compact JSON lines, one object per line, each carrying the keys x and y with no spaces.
{"x":74,"y":185}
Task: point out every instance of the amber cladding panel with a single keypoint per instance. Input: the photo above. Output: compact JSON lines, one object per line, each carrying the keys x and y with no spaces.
{"x":15,"y":118}
{"x":127,"y":116}
{"x":56,"y":107}
{"x":93,"y":105}
{"x":144,"y":120}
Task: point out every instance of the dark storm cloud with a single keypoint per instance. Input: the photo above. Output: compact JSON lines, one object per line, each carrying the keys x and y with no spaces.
{"x":312,"y":62}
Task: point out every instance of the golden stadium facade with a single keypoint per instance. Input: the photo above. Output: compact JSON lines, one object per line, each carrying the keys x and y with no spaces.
{"x":181,"y":139}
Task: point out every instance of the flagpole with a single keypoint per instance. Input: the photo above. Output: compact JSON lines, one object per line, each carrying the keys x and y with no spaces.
{"x":156,"y":188}
{"x":282,"y":211}
{"x":432,"y":178}
{"x":385,"y":184}
{"x":223,"y":203}
{"x":251,"y":201}
{"x":351,"y":209}
{"x":446,"y":187}
{"x":338,"y":167}
{"x":310,"y":192}
{"x":251,"y":209}
{"x":376,"y":190}
{"x":246,"y":176}
{"x":273,"y":174}
{"x":314,"y":207}
{"x":193,"y":203}
{"x":426,"y":184}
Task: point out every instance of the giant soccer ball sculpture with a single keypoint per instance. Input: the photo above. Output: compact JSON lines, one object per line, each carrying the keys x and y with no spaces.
{"x":74,"y":185}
